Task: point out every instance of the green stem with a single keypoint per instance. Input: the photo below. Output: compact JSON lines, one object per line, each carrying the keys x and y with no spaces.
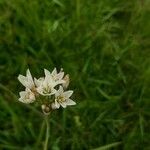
{"x":47,"y":133}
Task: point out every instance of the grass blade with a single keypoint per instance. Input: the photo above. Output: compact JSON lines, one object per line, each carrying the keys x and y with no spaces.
{"x":107,"y":147}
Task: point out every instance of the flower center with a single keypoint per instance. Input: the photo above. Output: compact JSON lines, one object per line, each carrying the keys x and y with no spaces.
{"x":61,"y":99}
{"x":28,"y":95}
{"x":46,"y":90}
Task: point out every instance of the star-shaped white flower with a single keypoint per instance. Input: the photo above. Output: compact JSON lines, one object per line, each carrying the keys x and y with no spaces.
{"x":62,"y":98}
{"x":58,"y":77}
{"x":27,"y":80}
{"x":46,"y":85}
{"x":27,"y":96}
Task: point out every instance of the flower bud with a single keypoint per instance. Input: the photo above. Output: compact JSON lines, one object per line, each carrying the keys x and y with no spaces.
{"x":67,"y":81}
{"x":53,"y":106}
{"x":46,"y":109}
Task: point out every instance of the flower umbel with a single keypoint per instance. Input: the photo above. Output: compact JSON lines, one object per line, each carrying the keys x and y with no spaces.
{"x":48,"y":91}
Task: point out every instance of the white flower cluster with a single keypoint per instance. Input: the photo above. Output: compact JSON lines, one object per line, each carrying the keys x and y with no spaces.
{"x":49,"y":91}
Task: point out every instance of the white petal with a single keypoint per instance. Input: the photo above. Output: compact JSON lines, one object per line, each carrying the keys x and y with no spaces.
{"x":45,"y":83}
{"x":22,"y":100}
{"x":61,"y":90}
{"x":37,"y":83}
{"x":29,"y":77}
{"x":26,"y":101}
{"x":22,"y":93}
{"x":47,"y":73}
{"x":30,"y":85}
{"x":48,"y":79}
{"x":27,"y":80}
{"x":57,"y":105}
{"x":70,"y":102}
{"x":60,"y":75}
{"x":63,"y":104}
{"x":67,"y":94}
{"x":54,"y":72}
{"x":40,"y":90}
{"x":28,"y":74}
{"x":23,"y":80}
{"x":57,"y":93}
{"x":59,"y":82}
{"x":54,"y":91}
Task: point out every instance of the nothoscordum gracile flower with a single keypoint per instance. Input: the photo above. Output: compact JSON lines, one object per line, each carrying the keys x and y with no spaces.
{"x":48,"y":91}
{"x":27,"y":96}
{"x":62,"y":98}
{"x":47,"y":86}
{"x":58,"y":77}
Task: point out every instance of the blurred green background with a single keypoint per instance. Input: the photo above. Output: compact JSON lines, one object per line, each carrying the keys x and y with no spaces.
{"x":104,"y":46}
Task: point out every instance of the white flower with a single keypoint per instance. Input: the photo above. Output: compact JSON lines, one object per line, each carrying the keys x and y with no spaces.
{"x":27,"y":80}
{"x":27,"y":96}
{"x":62,"y":98}
{"x":46,"y":85}
{"x":58,"y":77}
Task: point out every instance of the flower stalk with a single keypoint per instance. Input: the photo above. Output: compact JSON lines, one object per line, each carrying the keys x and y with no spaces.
{"x":47,"y":133}
{"x":49,"y":92}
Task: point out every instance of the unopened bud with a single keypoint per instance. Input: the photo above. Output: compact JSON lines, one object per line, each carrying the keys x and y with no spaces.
{"x":67,"y":81}
{"x":53,"y":106}
{"x":61,"y":70}
{"x":46,"y":109}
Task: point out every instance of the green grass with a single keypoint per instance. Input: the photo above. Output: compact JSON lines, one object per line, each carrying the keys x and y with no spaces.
{"x":104,"y":46}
